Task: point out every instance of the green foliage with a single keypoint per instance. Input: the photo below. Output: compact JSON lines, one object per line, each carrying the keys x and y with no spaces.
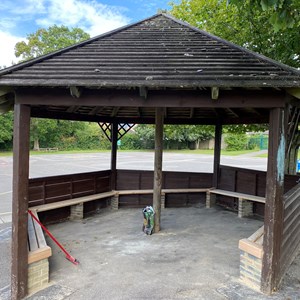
{"x":145,"y":135}
{"x":44,"y":41}
{"x":246,"y":25}
{"x":6,"y":132}
{"x":243,"y":128}
{"x":72,"y":135}
{"x":258,"y":141}
{"x":236,"y":141}
{"x":44,"y":132}
{"x":282,"y":13}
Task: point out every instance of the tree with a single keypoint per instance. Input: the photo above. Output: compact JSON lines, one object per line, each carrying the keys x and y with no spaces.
{"x":41,"y":42}
{"x":188,"y":133}
{"x":38,"y":128}
{"x":44,"y":41}
{"x":245,"y":25}
{"x":6,"y":132}
{"x":283,"y":13}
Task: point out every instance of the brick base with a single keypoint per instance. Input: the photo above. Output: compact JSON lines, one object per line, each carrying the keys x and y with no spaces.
{"x":210,"y":200}
{"x":250,"y":270}
{"x":245,"y":208}
{"x":77,"y":212}
{"x":114,"y":202}
{"x":163,"y":200}
{"x":38,"y":275}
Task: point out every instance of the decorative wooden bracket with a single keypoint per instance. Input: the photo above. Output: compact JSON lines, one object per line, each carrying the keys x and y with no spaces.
{"x":122,"y":129}
{"x":214,"y":93}
{"x":75,"y":91}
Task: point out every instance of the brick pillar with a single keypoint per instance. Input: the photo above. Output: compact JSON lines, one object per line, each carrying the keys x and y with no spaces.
{"x":77,"y":212}
{"x":163,"y":200}
{"x":114,"y":202}
{"x":38,"y":275}
{"x":245,"y":208}
{"x":250,"y":270}
{"x":210,"y":200}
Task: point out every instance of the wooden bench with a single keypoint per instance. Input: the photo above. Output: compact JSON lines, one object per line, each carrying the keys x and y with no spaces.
{"x":245,"y":200}
{"x":115,"y":203}
{"x":75,"y":203}
{"x":38,"y":254}
{"x":48,"y":149}
{"x":251,"y":259}
{"x":245,"y":206}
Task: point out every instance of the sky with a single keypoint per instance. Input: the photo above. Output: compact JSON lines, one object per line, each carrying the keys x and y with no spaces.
{"x":18,"y":18}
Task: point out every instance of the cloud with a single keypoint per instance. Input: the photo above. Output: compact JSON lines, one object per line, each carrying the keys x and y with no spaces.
{"x":93,"y":17}
{"x":7,"y":53}
{"x":90,"y":15}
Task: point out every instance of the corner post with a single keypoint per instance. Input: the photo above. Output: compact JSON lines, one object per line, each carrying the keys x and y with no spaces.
{"x":19,"y":263}
{"x":157,"y":185}
{"x":273,"y":225}
{"x":217,"y":155}
{"x":113,"y":161}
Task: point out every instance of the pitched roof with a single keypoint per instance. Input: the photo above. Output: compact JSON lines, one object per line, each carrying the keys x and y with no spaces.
{"x":157,"y":52}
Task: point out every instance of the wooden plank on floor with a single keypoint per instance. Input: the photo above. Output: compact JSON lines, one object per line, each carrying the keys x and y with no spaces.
{"x":256,"y":235}
{"x":32,"y":241}
{"x":39,"y":233}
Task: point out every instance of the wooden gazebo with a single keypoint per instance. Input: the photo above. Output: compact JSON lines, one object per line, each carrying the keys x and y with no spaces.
{"x":159,"y":70}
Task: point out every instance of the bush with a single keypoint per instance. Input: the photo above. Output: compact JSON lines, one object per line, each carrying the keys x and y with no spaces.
{"x":236,"y":142}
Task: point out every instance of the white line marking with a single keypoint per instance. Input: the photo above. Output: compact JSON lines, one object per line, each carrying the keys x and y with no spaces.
{"x":6,"y":193}
{"x":5,"y":213}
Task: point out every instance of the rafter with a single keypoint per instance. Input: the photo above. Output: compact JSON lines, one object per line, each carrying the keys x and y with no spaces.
{"x":96,"y":110}
{"x":72,"y":109}
{"x":115,"y":111}
{"x":233,"y":112}
{"x":192,"y":112}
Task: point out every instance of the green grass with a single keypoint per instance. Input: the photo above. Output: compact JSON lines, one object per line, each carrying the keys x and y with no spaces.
{"x":262,"y":155}
{"x":266,"y":155}
{"x":184,"y":151}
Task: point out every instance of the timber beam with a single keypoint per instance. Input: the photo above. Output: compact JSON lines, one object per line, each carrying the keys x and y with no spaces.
{"x":155,"y":98}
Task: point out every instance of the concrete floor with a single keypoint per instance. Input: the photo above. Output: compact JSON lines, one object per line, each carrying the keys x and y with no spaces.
{"x":195,"y":256}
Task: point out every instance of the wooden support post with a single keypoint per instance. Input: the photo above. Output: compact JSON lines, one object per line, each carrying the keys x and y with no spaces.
{"x":217,"y":154}
{"x":114,"y":147}
{"x":273,"y":225}
{"x":157,"y":185}
{"x":19,"y":262}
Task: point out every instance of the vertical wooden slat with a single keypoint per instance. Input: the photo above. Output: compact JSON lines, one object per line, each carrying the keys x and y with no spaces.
{"x":217,"y":154}
{"x":157,"y":185}
{"x":19,"y":266}
{"x":113,"y":162}
{"x":274,"y":203}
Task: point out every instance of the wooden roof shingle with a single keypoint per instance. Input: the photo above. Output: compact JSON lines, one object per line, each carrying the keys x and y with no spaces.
{"x":159,"y":52}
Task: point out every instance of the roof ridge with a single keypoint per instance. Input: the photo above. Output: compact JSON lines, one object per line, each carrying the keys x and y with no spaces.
{"x":253,"y":53}
{"x":38,"y":59}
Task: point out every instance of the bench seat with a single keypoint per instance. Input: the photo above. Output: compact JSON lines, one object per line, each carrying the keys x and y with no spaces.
{"x":245,"y":205}
{"x":74,"y":201}
{"x":238,"y":195}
